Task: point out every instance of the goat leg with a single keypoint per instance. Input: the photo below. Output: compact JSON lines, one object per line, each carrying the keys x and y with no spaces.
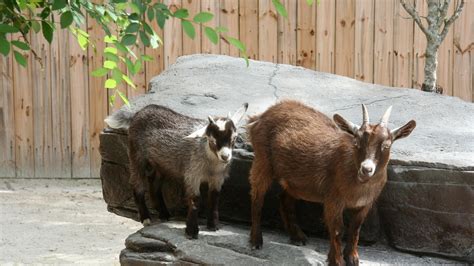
{"x":333,"y":219}
{"x":213,"y":212}
{"x":156,"y":195}
{"x":351,"y":256}
{"x":192,"y":228}
{"x":288,"y":215}
{"x":139,"y":196}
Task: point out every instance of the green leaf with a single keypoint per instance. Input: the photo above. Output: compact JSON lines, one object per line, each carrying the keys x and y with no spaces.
{"x":111,"y":50}
{"x":110,"y":39}
{"x":122,"y":48}
{"x":123,"y":97}
{"x":110,"y":64}
{"x":110,"y":84}
{"x":238,"y":44}
{"x":47,"y":31}
{"x":130,"y":65}
{"x":310,"y":2}
{"x":45,"y":13}
{"x":36,"y":26}
{"x":148,"y":29}
{"x":203,"y":17}
{"x":59,"y":4}
{"x":154,"y":40}
{"x":147,"y":58}
{"x":160,"y":19}
{"x":4,"y":46}
{"x":66,"y":19}
{"x":100,"y":72}
{"x":181,"y":13}
{"x":8,"y":28}
{"x":137,"y":66}
{"x":221,"y":29}
{"x":20,"y":59}
{"x":111,"y":57}
{"x":129,"y":81}
{"x":134,"y":16}
{"x":112,"y":100}
{"x":144,"y":38}
{"x":135,"y":8}
{"x":129,"y":39}
{"x":21,"y":45}
{"x":211,"y":34}
{"x":132,"y":28}
{"x":150,"y":14}
{"x":280,"y":8}
{"x":82,"y":40}
{"x":117,"y":75}
{"x":188,"y":28}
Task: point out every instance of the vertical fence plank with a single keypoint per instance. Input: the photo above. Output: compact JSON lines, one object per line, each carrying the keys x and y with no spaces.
{"x":419,"y":47}
{"x":97,"y":95}
{"x":191,"y":46}
{"x":173,"y":35}
{"x":287,"y":34}
{"x":61,"y":105}
{"x":364,"y":41}
{"x":402,"y":46}
{"x":80,"y":142}
{"x":207,"y":46}
{"x":23,"y":97}
{"x":325,"y":35}
{"x":305,"y":35}
{"x":248,"y":11}
{"x":444,"y":72}
{"x":383,"y":45}
{"x":155,"y":67}
{"x":139,"y":78}
{"x":267,"y":31}
{"x":464,"y":51}
{"x":229,"y":18}
{"x":7,"y":118}
{"x":41,"y":77}
{"x":345,"y":37}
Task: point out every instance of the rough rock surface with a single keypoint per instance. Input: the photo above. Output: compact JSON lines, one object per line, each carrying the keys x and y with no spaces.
{"x":427,"y":204}
{"x":166,"y":244}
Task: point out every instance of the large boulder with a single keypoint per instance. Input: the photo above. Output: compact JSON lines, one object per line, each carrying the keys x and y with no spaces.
{"x":427,"y":204}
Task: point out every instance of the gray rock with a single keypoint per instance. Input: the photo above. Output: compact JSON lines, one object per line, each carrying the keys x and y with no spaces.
{"x":229,"y":246}
{"x":427,"y":203}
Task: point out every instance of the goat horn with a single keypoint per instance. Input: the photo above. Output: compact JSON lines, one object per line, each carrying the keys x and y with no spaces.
{"x":365,"y":115}
{"x":211,"y":120}
{"x":386,"y":115}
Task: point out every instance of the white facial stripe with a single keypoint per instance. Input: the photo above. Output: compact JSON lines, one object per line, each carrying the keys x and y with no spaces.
{"x":221,"y":124}
{"x":368,"y":164}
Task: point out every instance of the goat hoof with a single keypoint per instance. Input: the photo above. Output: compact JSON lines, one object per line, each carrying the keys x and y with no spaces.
{"x":351,"y":260}
{"x":164,"y":218}
{"x":299,"y":239}
{"x":192,"y":233}
{"x":146,"y":222}
{"x":298,"y":242}
{"x":212,"y":228}
{"x":257,"y":243}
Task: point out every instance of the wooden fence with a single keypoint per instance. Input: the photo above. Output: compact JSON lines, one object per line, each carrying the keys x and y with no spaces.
{"x":51,"y":116}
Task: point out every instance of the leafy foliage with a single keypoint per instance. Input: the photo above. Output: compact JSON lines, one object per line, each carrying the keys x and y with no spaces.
{"x":126,"y":23}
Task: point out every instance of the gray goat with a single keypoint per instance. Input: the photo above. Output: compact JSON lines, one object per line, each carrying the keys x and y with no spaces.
{"x":164,"y":144}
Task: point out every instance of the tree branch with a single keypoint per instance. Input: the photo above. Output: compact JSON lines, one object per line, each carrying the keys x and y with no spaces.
{"x":411,"y":10}
{"x":443,"y":10}
{"x":447,"y":23}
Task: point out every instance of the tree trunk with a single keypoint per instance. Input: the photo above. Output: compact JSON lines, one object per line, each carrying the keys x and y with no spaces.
{"x":431,"y":64}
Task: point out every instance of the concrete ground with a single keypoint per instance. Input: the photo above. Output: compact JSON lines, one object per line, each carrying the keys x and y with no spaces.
{"x":59,"y":221}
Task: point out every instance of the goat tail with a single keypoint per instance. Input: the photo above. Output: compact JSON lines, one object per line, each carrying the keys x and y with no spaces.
{"x":120,"y":119}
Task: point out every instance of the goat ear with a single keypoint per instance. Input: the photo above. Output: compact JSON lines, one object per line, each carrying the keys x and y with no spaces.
{"x":403,"y":131}
{"x":345,"y":125}
{"x":239,"y":114}
{"x":197,"y":134}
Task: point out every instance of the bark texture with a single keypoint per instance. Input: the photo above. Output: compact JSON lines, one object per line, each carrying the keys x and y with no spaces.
{"x":437,"y":28}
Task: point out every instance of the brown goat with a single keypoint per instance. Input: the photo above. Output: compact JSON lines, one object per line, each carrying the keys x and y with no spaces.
{"x":338,"y":163}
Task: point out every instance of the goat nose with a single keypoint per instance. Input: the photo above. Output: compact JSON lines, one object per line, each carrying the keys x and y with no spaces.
{"x":367,"y":170}
{"x":225,"y":157}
